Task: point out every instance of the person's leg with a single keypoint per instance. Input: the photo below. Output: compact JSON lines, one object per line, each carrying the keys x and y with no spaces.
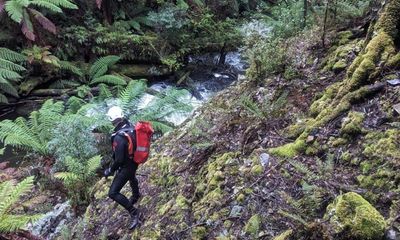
{"x":118,"y":183}
{"x":135,"y":189}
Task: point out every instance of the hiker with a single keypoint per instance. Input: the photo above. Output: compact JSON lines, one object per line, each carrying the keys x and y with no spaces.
{"x":123,"y":164}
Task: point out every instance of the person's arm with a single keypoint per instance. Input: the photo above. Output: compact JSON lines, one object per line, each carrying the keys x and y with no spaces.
{"x":119,"y":146}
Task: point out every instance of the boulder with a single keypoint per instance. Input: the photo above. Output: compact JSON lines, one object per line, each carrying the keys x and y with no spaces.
{"x":353,"y":217}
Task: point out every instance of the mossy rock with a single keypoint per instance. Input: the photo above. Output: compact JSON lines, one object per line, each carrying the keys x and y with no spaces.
{"x":289,"y":150}
{"x":352,"y":216}
{"x":339,"y":66}
{"x":352,"y":124}
{"x":252,"y":226}
{"x":284,"y":236}
{"x":199,"y":233}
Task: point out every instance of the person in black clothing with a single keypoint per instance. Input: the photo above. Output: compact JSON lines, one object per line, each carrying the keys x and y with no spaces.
{"x":123,"y":165}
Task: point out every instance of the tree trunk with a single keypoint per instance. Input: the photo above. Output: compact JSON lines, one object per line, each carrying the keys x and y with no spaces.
{"x":325,"y":22}
{"x":305,"y":8}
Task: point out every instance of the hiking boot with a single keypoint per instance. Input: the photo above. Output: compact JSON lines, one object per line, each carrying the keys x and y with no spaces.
{"x":135,"y":199}
{"x":134,"y":219}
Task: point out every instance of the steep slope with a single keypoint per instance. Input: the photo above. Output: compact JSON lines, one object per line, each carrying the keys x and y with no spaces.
{"x":239,"y":170}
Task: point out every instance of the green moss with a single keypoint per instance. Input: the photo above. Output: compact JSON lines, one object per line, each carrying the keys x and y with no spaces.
{"x":352,"y":124}
{"x":344,"y":37}
{"x":388,"y":22}
{"x":253,"y":225}
{"x":365,"y":167}
{"x":284,"y":236}
{"x":339,"y":66}
{"x":289,"y":150}
{"x":345,"y":157}
{"x":257,"y":170}
{"x":351,"y":214}
{"x":181,"y":202}
{"x":199,"y":233}
{"x":394,"y":62}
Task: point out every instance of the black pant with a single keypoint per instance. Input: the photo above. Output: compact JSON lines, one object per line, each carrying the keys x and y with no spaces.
{"x":120,"y":179}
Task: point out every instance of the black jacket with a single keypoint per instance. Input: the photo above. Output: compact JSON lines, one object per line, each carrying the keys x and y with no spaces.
{"x":120,"y":147}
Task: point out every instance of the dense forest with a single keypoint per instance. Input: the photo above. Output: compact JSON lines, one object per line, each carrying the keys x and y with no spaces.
{"x":274,"y":119}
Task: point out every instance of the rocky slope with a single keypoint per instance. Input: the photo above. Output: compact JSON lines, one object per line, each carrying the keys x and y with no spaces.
{"x":263,"y":160}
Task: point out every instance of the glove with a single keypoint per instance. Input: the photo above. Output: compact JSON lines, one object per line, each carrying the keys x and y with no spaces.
{"x":108,"y":172}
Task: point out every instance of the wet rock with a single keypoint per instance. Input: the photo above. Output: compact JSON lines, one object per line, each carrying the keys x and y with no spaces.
{"x":394,"y":82}
{"x":397,"y":108}
{"x":50,"y":224}
{"x":390,"y":235}
{"x":354,"y":216}
{"x":264,"y":159}
{"x":236,"y":211}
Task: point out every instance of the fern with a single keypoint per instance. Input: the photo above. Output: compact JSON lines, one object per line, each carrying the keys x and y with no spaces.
{"x":32,"y":134}
{"x":9,"y":72}
{"x":10,"y":55}
{"x":104,"y":92}
{"x":65,"y":65}
{"x":15,"y":9}
{"x":132,"y":92}
{"x":63,"y":3}
{"x":10,"y":75}
{"x":108,"y":79}
{"x":79,"y":177}
{"x":6,"y":64}
{"x":9,"y":195}
{"x":101,"y":66}
{"x":47,"y":4}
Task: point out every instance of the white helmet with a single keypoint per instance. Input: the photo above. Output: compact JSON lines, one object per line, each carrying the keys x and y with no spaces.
{"x":114,"y":113}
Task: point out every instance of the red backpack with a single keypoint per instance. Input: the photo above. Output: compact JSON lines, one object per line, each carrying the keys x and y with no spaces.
{"x":144,"y":132}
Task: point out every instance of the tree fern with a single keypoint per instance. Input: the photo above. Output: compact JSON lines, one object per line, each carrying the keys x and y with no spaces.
{"x":63,"y":3}
{"x":48,"y":5}
{"x":9,"y":195}
{"x":9,"y":72}
{"x":32,"y":134}
{"x":12,"y":56}
{"x":6,"y":64}
{"x":14,"y":9}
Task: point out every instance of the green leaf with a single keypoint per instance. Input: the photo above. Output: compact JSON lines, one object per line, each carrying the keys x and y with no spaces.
{"x":6,"y":64}
{"x":14,"y":9}
{"x":109,"y":79}
{"x":48,"y":5}
{"x":98,"y":67}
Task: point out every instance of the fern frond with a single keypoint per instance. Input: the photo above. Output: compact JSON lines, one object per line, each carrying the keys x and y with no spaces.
{"x":8,"y":88}
{"x":48,"y":5}
{"x":74,"y":104}
{"x":63,"y":3}
{"x":6,"y":64}
{"x":133,"y":91}
{"x":10,"y":55}
{"x":12,"y":223}
{"x":14,"y":9}
{"x":13,"y":196}
{"x":66,"y":176}
{"x":92,"y":164}
{"x":11,"y":75}
{"x":104,"y":91}
{"x":109,"y":79}
{"x":3,"y":98}
{"x":65,"y":65}
{"x":102,"y":64}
